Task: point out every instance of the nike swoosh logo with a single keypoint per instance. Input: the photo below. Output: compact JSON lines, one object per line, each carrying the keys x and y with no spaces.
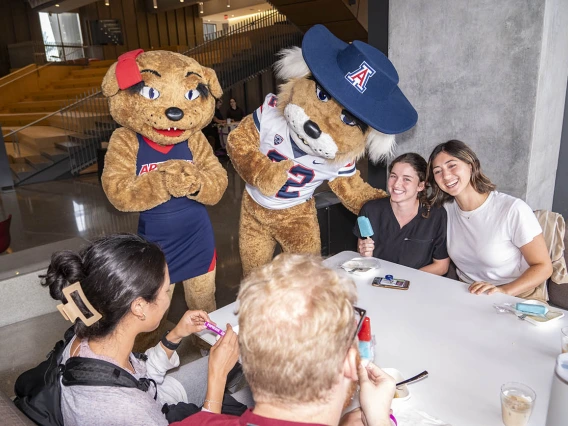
{"x":318,"y":163}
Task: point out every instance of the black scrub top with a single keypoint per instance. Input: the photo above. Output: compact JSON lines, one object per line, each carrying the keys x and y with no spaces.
{"x":416,"y":244}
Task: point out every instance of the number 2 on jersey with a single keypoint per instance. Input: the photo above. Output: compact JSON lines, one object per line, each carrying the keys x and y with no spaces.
{"x":301,"y":176}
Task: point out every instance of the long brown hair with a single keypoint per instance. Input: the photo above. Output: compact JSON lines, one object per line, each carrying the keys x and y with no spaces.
{"x":480,"y":183}
{"x":418,"y":163}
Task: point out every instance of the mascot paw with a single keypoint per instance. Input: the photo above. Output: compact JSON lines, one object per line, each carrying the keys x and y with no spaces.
{"x":181,"y":177}
{"x":273,"y":177}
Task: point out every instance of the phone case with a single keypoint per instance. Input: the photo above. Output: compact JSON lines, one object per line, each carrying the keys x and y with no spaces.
{"x":396,"y":283}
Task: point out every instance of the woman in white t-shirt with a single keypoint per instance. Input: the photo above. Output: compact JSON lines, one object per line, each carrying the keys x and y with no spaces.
{"x":493,"y":238}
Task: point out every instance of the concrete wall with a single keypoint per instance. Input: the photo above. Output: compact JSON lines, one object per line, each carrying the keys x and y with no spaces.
{"x":492,"y":74}
{"x":560,"y":204}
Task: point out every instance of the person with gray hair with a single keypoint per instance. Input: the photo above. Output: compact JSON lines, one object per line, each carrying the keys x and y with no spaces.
{"x":297,"y":328}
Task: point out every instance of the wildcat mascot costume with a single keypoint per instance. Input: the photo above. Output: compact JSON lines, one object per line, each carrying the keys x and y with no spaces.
{"x":338,"y":101}
{"x":160,"y":164}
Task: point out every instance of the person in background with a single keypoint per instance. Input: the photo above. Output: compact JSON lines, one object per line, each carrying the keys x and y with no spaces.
{"x":212,"y":130}
{"x":493,"y":238}
{"x":125,"y":279}
{"x":235,"y":113}
{"x":299,"y":352}
{"x":406,"y":229}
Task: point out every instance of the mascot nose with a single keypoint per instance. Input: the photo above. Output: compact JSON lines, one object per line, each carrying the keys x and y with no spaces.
{"x":312,"y":129}
{"x":174,"y":114}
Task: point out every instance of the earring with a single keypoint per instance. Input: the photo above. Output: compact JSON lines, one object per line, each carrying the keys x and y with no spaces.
{"x":143,"y":319}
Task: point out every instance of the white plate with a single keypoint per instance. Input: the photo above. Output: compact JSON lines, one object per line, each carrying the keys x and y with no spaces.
{"x":361,"y":265}
{"x":551,"y":315}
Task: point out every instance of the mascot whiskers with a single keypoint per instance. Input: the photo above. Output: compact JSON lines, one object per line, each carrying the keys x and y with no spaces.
{"x":338,"y":101}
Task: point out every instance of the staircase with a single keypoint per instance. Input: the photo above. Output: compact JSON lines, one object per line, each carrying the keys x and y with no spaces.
{"x":337,"y":15}
{"x":63,"y":141}
{"x":56,"y":134}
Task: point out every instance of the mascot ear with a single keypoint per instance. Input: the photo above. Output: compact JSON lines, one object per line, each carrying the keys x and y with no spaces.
{"x":291,"y":64}
{"x":110,"y":83}
{"x":214,"y":86}
{"x":379,"y":145}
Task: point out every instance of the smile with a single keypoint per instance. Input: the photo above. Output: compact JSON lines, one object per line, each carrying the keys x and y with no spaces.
{"x":397,"y":191}
{"x":170,"y":131}
{"x":452,"y":184}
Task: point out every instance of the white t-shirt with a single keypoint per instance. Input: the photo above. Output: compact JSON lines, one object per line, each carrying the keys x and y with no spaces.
{"x":308,"y":171}
{"x":484,"y":243}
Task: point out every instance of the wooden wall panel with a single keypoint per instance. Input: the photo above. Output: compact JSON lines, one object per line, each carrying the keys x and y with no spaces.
{"x":130,"y":25}
{"x":181,"y":31}
{"x":163,"y":30}
{"x":142,"y":29}
{"x":17,"y":24}
{"x":153,"y":30}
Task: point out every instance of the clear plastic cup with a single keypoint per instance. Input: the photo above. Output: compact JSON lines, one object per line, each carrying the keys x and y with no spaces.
{"x":564,"y":339}
{"x":517,"y":401}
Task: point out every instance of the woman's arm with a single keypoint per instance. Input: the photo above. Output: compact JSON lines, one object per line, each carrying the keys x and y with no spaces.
{"x":540,"y":269}
{"x":223,"y":357}
{"x":437,"y":267}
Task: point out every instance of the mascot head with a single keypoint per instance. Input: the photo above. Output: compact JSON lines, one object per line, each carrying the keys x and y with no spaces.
{"x":340,"y":99}
{"x":164,"y":96}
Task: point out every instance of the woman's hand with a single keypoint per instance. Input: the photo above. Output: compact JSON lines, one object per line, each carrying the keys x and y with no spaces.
{"x":376,"y":395}
{"x":224,"y":354}
{"x":365,"y":247}
{"x":191,"y":322}
{"x":481,"y":287}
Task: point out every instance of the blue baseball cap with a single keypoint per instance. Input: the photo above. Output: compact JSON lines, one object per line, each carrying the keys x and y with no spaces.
{"x":361,"y":78}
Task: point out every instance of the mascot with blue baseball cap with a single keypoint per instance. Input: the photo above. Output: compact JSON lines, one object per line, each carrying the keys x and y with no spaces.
{"x":338,"y":101}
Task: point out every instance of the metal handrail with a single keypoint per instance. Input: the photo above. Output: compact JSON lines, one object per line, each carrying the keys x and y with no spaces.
{"x":53,"y":113}
{"x":28,"y":73}
{"x":237,"y":29}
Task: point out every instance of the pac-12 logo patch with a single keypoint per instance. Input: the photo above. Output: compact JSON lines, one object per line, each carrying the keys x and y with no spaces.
{"x":278,"y":139}
{"x":360,"y":77}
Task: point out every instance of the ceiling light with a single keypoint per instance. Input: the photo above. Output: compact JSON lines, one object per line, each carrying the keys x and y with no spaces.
{"x":107,"y":2}
{"x":155,"y":4}
{"x":201,"y":7}
{"x":181,"y":1}
{"x":58,"y":5}
{"x":228,"y":3}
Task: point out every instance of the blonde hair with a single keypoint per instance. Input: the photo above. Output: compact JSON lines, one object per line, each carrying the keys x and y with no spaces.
{"x":296,"y":324}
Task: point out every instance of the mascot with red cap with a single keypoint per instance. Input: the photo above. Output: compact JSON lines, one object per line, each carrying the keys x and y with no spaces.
{"x":160,"y":164}
{"x":338,"y":101}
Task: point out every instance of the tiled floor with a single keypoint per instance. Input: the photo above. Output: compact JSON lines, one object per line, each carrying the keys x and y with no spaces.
{"x":54,"y":211}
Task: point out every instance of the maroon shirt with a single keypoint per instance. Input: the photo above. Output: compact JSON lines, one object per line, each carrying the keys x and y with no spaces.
{"x":247,"y":419}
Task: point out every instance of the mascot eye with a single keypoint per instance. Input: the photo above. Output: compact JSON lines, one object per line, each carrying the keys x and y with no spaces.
{"x":348,"y":119}
{"x":191,"y":95}
{"x":322,"y":96}
{"x":149,"y":93}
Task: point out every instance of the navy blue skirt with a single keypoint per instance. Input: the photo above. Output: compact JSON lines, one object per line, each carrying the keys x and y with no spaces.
{"x":185,"y":236}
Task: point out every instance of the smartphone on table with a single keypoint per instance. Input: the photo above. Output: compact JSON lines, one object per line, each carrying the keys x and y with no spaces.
{"x":396,"y":283}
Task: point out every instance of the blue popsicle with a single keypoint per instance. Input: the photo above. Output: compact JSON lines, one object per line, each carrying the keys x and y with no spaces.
{"x":365,"y":228}
{"x":531,"y":309}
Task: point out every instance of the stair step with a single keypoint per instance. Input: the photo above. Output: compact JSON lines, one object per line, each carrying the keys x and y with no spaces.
{"x":68,"y":146}
{"x":89,"y":73}
{"x":101,"y":64}
{"x":42,"y":137}
{"x":18,"y":154}
{"x":83,"y":139}
{"x":20,"y":119}
{"x":77,"y":83}
{"x":63,"y":94}
{"x":54,"y":154}
{"x":38,"y":162}
{"x":36,"y":106}
{"x":22,"y":170}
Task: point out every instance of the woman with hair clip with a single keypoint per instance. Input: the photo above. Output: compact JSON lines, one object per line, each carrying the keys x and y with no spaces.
{"x":494,"y":239}
{"x":125,"y":284}
{"x":406,"y":230}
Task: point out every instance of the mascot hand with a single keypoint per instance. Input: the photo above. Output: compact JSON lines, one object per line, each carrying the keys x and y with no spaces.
{"x":273,"y":177}
{"x":181,"y":177}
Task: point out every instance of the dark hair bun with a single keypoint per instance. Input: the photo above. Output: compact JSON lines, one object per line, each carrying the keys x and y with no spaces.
{"x":66,"y":268}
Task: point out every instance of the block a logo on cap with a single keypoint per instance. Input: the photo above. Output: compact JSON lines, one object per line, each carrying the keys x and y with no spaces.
{"x":360,"y":77}
{"x":278,"y":139}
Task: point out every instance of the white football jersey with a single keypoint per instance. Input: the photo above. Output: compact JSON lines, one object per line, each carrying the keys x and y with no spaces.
{"x":308,"y":171}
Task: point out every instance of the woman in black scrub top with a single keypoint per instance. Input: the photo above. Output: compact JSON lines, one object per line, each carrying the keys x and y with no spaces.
{"x":406,"y":230}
